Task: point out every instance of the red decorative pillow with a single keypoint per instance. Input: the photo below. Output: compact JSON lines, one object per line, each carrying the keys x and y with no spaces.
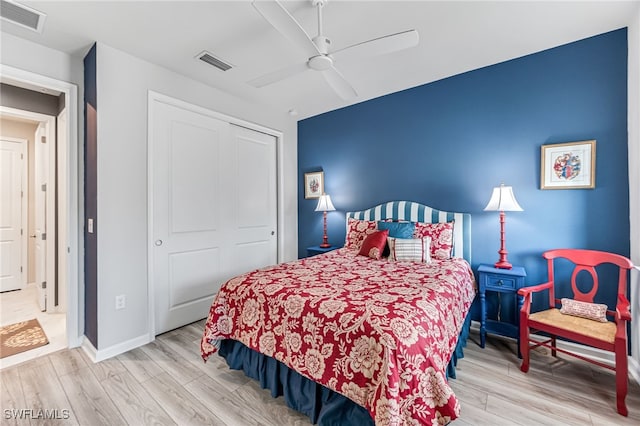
{"x":357,"y":231}
{"x":441,"y":235}
{"x":374,"y":244}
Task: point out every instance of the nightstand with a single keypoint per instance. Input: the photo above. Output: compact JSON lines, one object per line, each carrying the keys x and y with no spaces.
{"x":505,"y":282}
{"x":313,"y":250}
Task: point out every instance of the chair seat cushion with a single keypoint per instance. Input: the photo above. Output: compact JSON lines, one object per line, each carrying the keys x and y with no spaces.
{"x":605,"y":331}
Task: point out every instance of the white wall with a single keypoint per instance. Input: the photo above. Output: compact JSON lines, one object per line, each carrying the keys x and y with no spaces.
{"x":27,"y":61}
{"x":123,"y":82}
{"x":26,"y":55}
{"x":634,"y":183}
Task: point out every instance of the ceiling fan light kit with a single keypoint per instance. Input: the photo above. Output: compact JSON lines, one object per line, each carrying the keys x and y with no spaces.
{"x":319,"y":57}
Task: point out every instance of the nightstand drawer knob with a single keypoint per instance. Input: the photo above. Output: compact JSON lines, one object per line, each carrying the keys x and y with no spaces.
{"x":499,"y":282}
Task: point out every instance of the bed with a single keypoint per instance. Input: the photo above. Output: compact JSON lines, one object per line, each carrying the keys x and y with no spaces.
{"x":349,"y":336}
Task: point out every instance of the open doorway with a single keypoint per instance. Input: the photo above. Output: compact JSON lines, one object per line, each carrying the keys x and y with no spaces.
{"x":47,"y":288}
{"x":29,"y":285}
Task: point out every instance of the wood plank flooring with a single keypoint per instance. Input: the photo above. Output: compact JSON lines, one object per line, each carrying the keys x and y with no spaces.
{"x":166,"y":383}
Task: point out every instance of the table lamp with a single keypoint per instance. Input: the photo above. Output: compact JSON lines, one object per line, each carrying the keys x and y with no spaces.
{"x":503,"y":200}
{"x":325,"y":205}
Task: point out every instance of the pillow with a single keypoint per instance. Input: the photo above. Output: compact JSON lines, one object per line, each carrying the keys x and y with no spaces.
{"x":373,"y":245}
{"x":410,"y":250}
{"x":357,"y":231}
{"x":592,"y":311}
{"x":441,"y":235}
{"x":398,"y":229}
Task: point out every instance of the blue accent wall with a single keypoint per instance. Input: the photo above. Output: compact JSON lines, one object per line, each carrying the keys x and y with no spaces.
{"x":90,"y":196}
{"x":448,"y":143}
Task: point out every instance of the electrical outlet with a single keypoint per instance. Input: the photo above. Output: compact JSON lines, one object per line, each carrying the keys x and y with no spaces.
{"x":120,"y":302}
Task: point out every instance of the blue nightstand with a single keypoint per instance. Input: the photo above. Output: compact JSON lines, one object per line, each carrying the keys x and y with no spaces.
{"x":313,"y":250}
{"x":504,"y":282}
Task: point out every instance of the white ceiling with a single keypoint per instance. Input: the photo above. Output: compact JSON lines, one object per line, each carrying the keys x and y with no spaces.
{"x":455,"y":36}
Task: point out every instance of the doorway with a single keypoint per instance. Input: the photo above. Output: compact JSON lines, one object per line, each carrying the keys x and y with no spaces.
{"x":29,"y":227}
{"x":58,"y":232}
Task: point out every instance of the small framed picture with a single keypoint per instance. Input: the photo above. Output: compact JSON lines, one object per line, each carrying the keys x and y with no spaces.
{"x":569,"y":165}
{"x":313,"y":184}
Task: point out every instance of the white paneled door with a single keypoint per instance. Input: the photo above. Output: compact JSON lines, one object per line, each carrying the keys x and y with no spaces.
{"x":213,"y":208}
{"x":12,"y":194}
{"x":253,"y":179}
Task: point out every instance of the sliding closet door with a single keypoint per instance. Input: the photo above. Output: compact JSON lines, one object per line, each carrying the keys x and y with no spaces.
{"x":213,"y":209}
{"x":254,"y":200}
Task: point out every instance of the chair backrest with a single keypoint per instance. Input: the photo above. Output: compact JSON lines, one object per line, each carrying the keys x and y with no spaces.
{"x":587,"y":260}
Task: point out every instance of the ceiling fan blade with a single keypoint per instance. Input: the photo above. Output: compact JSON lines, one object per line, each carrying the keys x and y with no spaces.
{"x":378,"y":46}
{"x":278,"y":75}
{"x":274,"y":13}
{"x":339,"y":84}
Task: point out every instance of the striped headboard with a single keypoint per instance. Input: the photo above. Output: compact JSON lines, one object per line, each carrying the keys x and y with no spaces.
{"x":416,"y":212}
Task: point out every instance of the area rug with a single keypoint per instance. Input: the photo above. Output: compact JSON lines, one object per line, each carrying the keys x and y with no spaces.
{"x":21,"y":337}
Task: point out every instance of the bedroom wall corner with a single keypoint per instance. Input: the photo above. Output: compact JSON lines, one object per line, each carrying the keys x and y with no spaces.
{"x":634,"y":184}
{"x":90,"y":198}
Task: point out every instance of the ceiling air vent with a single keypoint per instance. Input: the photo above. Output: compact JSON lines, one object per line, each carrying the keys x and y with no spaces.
{"x":212,"y":60}
{"x":21,"y":15}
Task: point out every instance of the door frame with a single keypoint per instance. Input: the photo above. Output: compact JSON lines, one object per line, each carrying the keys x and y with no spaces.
{"x":153,"y":97}
{"x":68,"y":188}
{"x":24,"y":203}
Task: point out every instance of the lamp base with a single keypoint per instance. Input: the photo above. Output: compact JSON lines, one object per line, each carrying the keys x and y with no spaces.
{"x":325,"y":245}
{"x":503,"y":264}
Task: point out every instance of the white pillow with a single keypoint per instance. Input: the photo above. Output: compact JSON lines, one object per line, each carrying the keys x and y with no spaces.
{"x":592,"y":311}
{"x":410,"y":250}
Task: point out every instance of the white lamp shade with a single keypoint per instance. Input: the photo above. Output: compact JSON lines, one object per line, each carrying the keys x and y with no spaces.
{"x":502,"y":199}
{"x":325,"y":204}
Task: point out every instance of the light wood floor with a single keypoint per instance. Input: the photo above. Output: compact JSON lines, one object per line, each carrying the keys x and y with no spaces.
{"x":166,"y":382}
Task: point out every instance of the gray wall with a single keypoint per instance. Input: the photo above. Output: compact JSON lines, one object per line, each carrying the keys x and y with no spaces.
{"x":29,"y":100}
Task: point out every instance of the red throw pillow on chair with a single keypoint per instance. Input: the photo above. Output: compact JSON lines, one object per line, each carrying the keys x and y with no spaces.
{"x":374,"y":244}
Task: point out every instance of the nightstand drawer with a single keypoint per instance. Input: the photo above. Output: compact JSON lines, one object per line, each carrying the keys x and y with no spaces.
{"x":498,"y":283}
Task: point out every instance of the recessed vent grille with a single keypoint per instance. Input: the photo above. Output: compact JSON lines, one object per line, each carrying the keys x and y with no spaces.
{"x":212,"y":60}
{"x":22,"y":15}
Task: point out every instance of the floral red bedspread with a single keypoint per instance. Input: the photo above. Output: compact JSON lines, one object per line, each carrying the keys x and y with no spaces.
{"x":381,"y":333}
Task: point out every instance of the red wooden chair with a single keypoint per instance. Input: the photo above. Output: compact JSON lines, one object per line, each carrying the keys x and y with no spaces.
{"x":608,"y":335}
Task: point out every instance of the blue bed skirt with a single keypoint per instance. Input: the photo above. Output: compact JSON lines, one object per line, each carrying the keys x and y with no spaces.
{"x":322,"y":405}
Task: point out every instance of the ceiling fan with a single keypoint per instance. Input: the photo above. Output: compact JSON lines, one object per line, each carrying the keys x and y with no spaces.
{"x":320,"y":57}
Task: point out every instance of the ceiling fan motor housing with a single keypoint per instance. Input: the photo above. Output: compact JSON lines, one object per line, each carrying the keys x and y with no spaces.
{"x":322,"y":43}
{"x":320,"y":63}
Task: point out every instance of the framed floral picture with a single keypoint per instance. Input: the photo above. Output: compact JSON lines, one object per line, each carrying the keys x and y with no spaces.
{"x":313,"y":184}
{"x":569,"y":165}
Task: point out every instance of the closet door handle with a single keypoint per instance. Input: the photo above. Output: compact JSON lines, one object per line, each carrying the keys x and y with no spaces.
{"x":158,"y":243}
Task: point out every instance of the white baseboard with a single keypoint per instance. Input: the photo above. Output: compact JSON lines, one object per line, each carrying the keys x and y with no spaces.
{"x":634,"y":369}
{"x":100,"y":355}
{"x":596,"y":354}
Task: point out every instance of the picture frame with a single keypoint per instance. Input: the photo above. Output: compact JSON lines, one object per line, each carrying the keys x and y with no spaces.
{"x":570,"y":165}
{"x":313,"y":184}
